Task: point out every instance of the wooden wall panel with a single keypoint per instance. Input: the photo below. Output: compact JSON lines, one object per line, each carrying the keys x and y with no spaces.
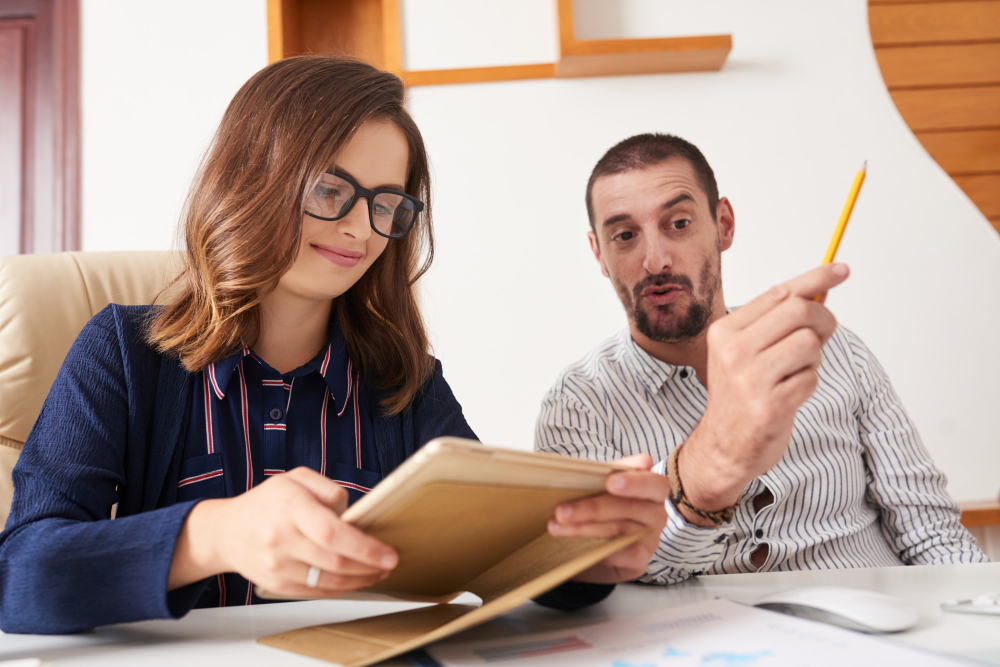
{"x":949,"y":108}
{"x":940,"y":60}
{"x":964,"y":152}
{"x":875,"y":3}
{"x":984,"y":191}
{"x":935,"y":22}
{"x":939,"y":65}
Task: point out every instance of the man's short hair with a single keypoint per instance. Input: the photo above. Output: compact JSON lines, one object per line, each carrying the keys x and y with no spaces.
{"x":646,"y":150}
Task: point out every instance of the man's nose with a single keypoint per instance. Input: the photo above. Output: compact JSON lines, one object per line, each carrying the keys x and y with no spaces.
{"x":658,"y":255}
{"x":357,"y":223}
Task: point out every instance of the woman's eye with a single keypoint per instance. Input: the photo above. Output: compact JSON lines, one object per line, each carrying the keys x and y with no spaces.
{"x":327,"y":192}
{"x":383,"y":211}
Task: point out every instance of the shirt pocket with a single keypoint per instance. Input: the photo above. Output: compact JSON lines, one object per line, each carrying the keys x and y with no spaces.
{"x":202,"y":477}
{"x":358,"y":482}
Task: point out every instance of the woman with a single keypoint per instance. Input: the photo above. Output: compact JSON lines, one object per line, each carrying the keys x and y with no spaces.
{"x":294,"y":343}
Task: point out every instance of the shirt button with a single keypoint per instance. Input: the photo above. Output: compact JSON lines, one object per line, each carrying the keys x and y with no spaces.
{"x":276,"y":414}
{"x":684,"y":374}
{"x":759,"y":534}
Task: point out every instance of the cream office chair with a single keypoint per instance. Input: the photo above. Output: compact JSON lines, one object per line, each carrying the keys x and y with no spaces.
{"x":44,"y":302}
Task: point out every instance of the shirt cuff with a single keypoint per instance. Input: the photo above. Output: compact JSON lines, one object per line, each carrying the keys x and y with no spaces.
{"x":685,"y":549}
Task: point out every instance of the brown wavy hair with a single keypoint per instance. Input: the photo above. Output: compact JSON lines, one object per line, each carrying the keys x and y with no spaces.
{"x":241,"y":223}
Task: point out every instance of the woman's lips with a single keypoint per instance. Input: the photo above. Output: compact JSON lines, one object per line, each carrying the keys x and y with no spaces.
{"x":339,"y":256}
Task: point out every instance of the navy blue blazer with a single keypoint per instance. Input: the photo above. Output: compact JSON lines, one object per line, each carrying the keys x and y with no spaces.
{"x":111,"y":430}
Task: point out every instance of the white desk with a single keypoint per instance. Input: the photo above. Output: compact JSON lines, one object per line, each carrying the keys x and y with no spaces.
{"x":216,"y":637}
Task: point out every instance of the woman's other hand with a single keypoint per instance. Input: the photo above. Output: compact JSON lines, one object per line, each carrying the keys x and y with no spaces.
{"x":635,"y":502}
{"x":274,"y":533}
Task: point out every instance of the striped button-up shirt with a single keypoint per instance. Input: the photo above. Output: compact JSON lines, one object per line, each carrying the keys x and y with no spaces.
{"x":856,"y":488}
{"x":250,"y":422}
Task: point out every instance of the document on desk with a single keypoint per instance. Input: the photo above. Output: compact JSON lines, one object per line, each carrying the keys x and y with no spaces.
{"x":713,"y":633}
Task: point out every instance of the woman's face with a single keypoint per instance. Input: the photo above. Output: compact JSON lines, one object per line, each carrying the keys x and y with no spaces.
{"x":333,"y":255}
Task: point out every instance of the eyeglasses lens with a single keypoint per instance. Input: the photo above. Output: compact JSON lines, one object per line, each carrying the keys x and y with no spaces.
{"x":393,"y":214}
{"x":332,"y":198}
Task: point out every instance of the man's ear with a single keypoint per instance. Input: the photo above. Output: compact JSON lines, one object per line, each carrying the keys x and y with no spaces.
{"x":726,"y":223}
{"x":596,"y":249}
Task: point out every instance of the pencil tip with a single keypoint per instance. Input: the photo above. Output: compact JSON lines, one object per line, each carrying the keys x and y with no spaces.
{"x":864,"y":167}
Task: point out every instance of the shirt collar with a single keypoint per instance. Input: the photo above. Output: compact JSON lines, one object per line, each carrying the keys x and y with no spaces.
{"x":331,"y":362}
{"x":651,"y":371}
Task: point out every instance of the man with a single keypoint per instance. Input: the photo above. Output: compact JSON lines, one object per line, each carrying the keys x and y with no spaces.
{"x":784,"y":443}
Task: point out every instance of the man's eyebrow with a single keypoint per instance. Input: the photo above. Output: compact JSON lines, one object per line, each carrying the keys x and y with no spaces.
{"x":615,"y":219}
{"x":677,"y":200}
{"x":669,"y":205}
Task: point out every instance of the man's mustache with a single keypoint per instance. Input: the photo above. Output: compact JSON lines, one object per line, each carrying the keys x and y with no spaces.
{"x":660,"y":279}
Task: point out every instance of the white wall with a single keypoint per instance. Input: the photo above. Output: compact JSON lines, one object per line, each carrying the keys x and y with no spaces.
{"x":514,"y":295}
{"x":155,"y":80}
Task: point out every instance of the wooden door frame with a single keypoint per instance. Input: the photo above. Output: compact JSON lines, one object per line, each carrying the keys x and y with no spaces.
{"x":51,"y":161}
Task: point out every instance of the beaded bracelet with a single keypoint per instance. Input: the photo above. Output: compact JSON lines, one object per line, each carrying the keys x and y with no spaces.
{"x":677,"y":497}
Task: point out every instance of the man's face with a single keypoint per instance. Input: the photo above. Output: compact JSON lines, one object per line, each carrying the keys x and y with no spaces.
{"x":656,"y":240}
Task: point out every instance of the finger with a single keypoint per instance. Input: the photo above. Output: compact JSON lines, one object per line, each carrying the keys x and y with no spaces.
{"x":326,"y":490}
{"x":325,"y":529}
{"x":310,"y":553}
{"x":640,"y":461}
{"x":328,"y":585}
{"x":603,"y":529}
{"x":796,"y":389}
{"x":642,"y":485}
{"x":802,"y":350}
{"x":807,"y":285}
{"x":784,"y":319}
{"x":635,"y":556}
{"x":611,"y":508}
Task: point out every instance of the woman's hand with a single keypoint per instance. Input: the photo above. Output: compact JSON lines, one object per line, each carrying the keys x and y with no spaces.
{"x":634,"y":502}
{"x":274,"y":533}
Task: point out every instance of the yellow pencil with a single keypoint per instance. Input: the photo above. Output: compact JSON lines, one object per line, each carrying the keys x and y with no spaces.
{"x":845,"y":215}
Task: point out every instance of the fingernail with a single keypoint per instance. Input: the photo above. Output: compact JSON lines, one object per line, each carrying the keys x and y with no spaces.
{"x":554,"y":527}
{"x":388,"y":560}
{"x":840,"y":269}
{"x":617,"y":482}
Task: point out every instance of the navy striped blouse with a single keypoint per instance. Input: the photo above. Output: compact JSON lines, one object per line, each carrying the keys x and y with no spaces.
{"x":856,"y":488}
{"x":250,"y":422}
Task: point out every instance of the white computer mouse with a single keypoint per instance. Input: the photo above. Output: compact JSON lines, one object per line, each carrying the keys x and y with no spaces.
{"x":851,"y":608}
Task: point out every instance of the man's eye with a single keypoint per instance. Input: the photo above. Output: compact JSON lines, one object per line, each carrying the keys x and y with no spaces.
{"x":680,"y":224}
{"x":624,"y":236}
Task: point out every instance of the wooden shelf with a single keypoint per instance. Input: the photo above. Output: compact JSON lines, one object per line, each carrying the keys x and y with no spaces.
{"x":611,"y":57}
{"x":370,"y":30}
{"x":365,"y":29}
{"x":976,"y":515}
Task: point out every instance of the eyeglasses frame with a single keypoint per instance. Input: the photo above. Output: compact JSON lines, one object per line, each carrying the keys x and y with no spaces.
{"x":369,"y":196}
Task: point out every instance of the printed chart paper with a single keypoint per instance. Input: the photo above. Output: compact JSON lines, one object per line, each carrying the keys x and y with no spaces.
{"x":714,"y":633}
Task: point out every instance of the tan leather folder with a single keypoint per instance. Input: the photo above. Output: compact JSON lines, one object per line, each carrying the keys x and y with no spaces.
{"x":463,"y":517}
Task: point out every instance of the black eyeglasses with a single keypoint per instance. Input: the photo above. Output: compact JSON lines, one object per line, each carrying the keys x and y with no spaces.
{"x":390,"y":213}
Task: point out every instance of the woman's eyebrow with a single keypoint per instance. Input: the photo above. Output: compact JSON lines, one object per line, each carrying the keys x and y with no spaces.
{"x":386,"y":186}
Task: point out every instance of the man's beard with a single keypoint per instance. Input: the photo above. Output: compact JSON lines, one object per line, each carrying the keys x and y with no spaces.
{"x":684,"y":326}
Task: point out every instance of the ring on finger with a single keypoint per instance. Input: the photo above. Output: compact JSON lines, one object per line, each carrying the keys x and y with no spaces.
{"x":312,"y":579}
